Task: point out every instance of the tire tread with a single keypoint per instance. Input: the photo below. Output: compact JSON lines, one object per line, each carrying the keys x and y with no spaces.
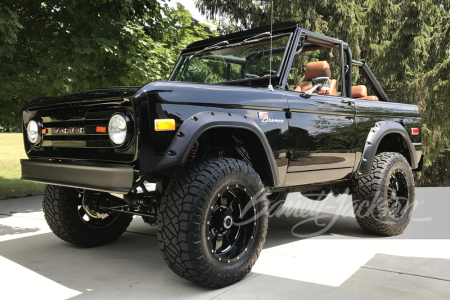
{"x":180,"y":215}
{"x":58,"y":213}
{"x":368,"y":189}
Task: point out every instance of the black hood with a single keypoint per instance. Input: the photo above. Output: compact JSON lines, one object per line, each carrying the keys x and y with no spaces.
{"x":103,"y":95}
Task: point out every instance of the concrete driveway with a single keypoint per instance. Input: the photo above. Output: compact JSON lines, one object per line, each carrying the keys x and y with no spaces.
{"x":315,"y":250}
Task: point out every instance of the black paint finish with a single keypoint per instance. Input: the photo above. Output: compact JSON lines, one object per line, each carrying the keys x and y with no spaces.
{"x":322,"y":134}
{"x":181,"y":101}
{"x":196,"y":125}
{"x":85,"y":110}
{"x":368,"y":113}
{"x":306,"y":141}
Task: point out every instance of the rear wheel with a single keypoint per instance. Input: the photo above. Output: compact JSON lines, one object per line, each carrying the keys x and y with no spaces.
{"x":74,"y":216}
{"x":213,"y":221}
{"x":383,"y":201}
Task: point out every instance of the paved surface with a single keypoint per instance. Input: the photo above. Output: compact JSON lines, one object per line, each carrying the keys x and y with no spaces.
{"x":327,"y":256}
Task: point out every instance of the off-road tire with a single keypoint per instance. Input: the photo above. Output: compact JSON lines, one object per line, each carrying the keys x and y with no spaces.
{"x":370,"y":197}
{"x":182,"y":220}
{"x":60,"y":207}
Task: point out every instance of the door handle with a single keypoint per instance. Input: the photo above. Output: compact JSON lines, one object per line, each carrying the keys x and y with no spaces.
{"x":348,"y":101}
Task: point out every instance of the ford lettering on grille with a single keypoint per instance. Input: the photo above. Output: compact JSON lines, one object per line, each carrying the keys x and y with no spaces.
{"x":68,"y":130}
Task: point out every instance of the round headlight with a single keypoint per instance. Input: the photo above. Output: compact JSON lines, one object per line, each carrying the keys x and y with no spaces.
{"x":117,"y":129}
{"x":32,"y":132}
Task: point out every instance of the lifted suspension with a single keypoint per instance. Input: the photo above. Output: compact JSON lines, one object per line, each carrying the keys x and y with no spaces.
{"x":145,"y":204}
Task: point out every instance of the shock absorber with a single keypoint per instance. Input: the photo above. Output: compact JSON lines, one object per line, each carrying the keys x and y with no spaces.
{"x":191,"y":155}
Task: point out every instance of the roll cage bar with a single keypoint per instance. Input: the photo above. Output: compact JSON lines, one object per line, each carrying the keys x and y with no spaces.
{"x":373,"y":82}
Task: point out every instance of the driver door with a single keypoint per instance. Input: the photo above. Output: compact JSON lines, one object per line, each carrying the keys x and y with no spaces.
{"x":322,"y":126}
{"x":322,"y":139}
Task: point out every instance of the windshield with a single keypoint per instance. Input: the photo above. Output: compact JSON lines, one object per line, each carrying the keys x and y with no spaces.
{"x":241,"y":61}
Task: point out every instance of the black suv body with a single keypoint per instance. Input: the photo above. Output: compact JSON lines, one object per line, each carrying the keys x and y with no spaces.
{"x":308,"y":139}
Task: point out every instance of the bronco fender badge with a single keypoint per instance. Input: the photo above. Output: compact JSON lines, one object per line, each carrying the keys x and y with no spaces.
{"x":264,"y":116}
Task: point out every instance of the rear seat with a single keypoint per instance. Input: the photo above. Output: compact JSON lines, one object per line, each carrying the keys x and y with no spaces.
{"x":360,"y":92}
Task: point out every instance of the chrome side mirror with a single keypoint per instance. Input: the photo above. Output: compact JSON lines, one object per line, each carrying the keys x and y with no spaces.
{"x":319,"y":84}
{"x":322,"y":82}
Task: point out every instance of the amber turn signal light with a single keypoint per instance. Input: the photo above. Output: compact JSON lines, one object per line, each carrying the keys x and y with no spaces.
{"x":100,"y":129}
{"x":164,"y":124}
{"x":44,"y":131}
{"x":414,"y":131}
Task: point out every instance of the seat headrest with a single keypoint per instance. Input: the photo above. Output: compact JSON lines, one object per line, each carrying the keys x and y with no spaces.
{"x":359,"y":91}
{"x":317,"y":69}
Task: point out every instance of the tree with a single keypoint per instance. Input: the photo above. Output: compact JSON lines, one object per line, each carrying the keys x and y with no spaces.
{"x":58,"y":47}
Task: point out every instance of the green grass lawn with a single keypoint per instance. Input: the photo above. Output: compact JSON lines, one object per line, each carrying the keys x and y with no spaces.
{"x":11,"y":151}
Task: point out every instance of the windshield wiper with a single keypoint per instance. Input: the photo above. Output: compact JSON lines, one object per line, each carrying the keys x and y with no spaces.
{"x":215,"y":46}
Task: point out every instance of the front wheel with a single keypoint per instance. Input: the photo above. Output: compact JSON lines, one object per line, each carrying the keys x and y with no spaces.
{"x":213,"y":221}
{"x":73,"y":216}
{"x":383,"y":201}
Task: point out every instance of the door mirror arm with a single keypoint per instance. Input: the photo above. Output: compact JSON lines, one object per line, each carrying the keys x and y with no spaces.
{"x":305,"y":95}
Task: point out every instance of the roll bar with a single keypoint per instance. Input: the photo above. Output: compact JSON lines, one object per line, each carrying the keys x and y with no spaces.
{"x":368,"y":75}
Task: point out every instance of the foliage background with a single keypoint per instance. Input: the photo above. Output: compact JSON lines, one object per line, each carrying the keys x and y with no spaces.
{"x":58,"y":47}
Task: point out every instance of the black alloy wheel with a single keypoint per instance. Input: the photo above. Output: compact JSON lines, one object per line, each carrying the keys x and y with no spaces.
{"x":90,"y":212}
{"x":398,"y":195}
{"x":231,"y":229}
{"x":213,"y":221}
{"x":384,"y":201}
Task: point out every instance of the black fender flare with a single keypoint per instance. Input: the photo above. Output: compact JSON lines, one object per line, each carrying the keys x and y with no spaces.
{"x":373,"y":140}
{"x":192,"y":129}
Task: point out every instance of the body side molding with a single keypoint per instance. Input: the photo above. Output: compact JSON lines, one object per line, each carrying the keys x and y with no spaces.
{"x":376,"y":134}
{"x":191,"y":130}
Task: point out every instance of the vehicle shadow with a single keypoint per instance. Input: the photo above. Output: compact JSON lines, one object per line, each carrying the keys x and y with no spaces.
{"x":25,"y":220}
{"x":286,"y":229}
{"x":11,"y":230}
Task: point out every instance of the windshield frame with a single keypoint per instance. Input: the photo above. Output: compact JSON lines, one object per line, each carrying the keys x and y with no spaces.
{"x":180,"y":63}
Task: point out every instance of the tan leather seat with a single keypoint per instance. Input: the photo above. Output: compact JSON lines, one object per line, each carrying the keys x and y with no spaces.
{"x":360,"y":92}
{"x":314,"y":70}
{"x":373,"y":98}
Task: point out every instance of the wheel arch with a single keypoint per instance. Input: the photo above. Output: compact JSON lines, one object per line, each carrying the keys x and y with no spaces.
{"x":205,"y":124}
{"x":386,"y":136}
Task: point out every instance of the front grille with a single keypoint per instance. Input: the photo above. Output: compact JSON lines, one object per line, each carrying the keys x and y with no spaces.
{"x":71,"y":134}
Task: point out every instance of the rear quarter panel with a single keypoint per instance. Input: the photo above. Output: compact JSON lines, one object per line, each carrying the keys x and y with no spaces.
{"x":370,"y":112}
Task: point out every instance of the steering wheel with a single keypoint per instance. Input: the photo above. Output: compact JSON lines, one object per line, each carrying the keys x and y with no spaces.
{"x":267,"y":72}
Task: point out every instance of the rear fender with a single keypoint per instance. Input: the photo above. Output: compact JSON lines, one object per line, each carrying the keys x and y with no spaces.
{"x":376,"y":134}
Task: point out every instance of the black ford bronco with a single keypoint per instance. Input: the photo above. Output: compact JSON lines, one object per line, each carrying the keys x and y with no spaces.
{"x":243,"y":120}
